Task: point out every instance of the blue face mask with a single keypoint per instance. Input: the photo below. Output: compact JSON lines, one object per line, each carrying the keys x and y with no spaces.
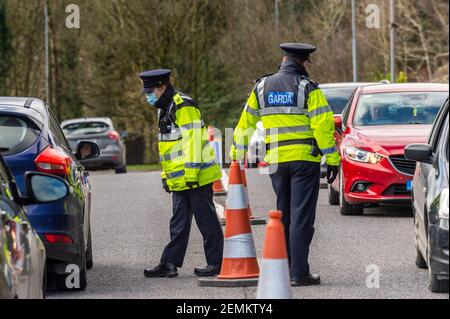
{"x":152,"y":99}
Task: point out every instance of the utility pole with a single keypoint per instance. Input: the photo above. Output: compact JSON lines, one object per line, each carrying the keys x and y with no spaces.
{"x":354,"y":43}
{"x":392,"y":26}
{"x":47,"y":66}
{"x":277,"y":19}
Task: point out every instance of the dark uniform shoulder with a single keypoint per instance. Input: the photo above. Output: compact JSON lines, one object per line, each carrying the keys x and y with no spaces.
{"x":311,"y":85}
{"x":183,"y":100}
{"x":262,"y":77}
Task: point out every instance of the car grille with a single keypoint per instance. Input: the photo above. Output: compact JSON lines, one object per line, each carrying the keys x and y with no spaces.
{"x":397,"y":189}
{"x":403,"y":165}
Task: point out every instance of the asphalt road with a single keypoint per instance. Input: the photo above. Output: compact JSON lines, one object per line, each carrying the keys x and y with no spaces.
{"x":130,"y":229}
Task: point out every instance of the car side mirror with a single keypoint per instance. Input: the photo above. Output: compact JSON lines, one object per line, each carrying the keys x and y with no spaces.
{"x":338,"y":123}
{"x":87,"y":150}
{"x":46,"y":188}
{"x":124,"y":134}
{"x":419,"y":153}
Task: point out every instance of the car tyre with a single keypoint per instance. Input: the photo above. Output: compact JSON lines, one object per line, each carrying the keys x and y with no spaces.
{"x":437,"y":285}
{"x":347,"y":209}
{"x":89,"y":257}
{"x":121,"y":170}
{"x":44,"y":282}
{"x":61,"y":279}
{"x":333,"y":196}
{"x":420,"y":261}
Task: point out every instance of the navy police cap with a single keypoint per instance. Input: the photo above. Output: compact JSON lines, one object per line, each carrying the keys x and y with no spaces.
{"x":154,"y":78}
{"x":298,"y":50}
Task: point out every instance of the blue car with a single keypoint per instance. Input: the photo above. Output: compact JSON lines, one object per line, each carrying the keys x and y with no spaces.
{"x":31,"y":140}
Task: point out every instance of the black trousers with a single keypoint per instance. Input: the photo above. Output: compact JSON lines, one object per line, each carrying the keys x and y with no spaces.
{"x":199,"y":203}
{"x":297,"y":185}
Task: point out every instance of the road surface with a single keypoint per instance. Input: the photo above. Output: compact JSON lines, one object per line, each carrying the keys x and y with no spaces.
{"x":130,"y":229}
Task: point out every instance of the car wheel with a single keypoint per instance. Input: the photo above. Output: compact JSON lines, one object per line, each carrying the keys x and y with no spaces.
{"x":420,"y":261}
{"x":347,"y":209}
{"x":333,"y":196}
{"x":81,"y":263}
{"x":121,"y":170}
{"x":437,"y":285}
{"x":44,"y":282}
{"x":89,"y":257}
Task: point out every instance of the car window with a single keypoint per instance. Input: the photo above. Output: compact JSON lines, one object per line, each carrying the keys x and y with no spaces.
{"x":398,"y":108}
{"x":86,"y":128}
{"x":5,"y":189}
{"x":16,"y":134}
{"x":57,"y":132}
{"x":346,"y":111}
{"x":338,"y":97}
{"x":443,"y":139}
{"x":435,"y":131}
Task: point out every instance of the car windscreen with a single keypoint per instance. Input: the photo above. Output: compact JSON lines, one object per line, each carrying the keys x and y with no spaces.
{"x":338,"y":97}
{"x":86,"y":128}
{"x":399,"y":108}
{"x":16,"y":134}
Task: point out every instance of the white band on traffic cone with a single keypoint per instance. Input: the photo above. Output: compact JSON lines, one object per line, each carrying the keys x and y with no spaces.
{"x":274,"y":280}
{"x":236,"y":197}
{"x":239,"y":246}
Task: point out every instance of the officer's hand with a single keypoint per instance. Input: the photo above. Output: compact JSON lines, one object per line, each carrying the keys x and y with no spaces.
{"x":192,"y":185}
{"x":165,"y":186}
{"x":332,"y":172}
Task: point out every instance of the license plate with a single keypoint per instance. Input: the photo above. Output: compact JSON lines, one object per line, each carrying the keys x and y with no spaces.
{"x":409,"y":185}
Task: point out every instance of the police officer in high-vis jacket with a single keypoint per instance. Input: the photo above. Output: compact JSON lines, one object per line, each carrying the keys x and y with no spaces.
{"x":189,"y":169}
{"x":299,"y":131}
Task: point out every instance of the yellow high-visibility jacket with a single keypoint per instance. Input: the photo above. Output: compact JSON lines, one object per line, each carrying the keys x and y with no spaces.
{"x":186,"y":155}
{"x":295,"y":114}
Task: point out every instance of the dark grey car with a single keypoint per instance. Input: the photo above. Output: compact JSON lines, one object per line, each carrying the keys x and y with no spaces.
{"x":22,"y":253}
{"x":430,"y":194}
{"x":102,"y":132}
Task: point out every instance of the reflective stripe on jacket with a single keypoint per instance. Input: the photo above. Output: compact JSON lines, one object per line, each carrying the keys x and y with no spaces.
{"x":185,"y":153}
{"x":293,"y":110}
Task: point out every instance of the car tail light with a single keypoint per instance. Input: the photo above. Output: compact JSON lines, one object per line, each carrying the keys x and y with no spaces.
{"x":113,"y":135}
{"x":52,"y":161}
{"x":58,"y":239}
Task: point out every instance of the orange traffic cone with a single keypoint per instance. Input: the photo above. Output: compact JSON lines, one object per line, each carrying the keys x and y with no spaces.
{"x":253,"y":219}
{"x":274,"y":282}
{"x":239,"y":265}
{"x":218,"y":186}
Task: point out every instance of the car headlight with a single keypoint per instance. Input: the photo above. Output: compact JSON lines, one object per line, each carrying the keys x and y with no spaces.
{"x":443,"y":204}
{"x":362,"y":156}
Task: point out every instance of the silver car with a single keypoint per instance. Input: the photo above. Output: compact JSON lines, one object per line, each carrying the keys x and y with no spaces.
{"x":102,"y":132}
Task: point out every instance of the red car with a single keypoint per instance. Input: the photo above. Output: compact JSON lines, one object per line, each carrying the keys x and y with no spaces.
{"x":377,"y":124}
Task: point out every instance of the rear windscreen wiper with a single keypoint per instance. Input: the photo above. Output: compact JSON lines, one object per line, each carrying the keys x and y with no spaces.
{"x":4,"y":149}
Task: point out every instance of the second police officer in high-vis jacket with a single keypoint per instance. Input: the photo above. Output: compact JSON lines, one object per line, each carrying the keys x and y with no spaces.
{"x":300,"y":129}
{"x":189,"y":169}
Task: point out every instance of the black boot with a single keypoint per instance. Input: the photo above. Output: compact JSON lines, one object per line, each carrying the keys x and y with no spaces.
{"x":162,"y":270}
{"x":308,"y":280}
{"x":208,"y":271}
